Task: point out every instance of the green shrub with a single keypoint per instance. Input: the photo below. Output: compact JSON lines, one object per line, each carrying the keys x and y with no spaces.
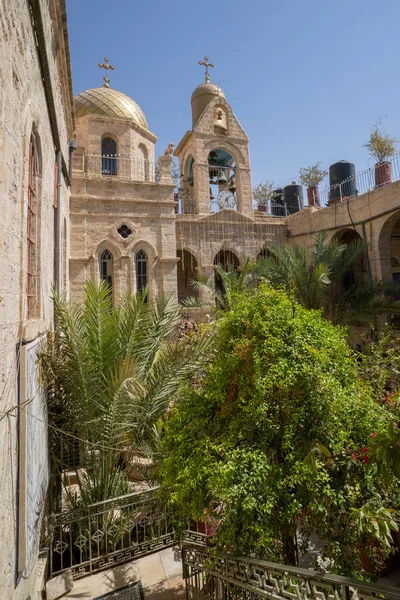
{"x":240,"y":449}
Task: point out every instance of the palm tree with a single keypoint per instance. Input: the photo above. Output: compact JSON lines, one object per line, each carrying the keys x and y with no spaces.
{"x":317,"y":283}
{"x":111,"y":372}
{"x":223,"y":285}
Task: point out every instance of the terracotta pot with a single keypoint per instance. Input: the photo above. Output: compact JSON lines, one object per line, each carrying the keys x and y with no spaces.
{"x":263,"y":208}
{"x":383,"y":173}
{"x":313,"y":196}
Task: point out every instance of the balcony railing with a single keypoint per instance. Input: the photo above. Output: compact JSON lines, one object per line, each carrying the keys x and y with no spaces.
{"x":362,"y":182}
{"x":211,"y":575}
{"x":107,"y":533}
{"x":120,"y":166}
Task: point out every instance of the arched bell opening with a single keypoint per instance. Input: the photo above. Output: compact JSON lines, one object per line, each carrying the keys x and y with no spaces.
{"x":186,"y":274}
{"x":220,"y":121}
{"x":185,"y":191}
{"x":222,"y":180}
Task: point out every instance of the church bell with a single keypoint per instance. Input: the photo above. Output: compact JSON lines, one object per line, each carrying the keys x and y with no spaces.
{"x":221,"y":177}
{"x":232,"y":184}
{"x":212,"y":197}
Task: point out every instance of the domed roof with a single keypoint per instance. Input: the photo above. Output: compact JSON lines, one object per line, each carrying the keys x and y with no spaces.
{"x":208,"y":89}
{"x":201,"y":97}
{"x":106,"y":102}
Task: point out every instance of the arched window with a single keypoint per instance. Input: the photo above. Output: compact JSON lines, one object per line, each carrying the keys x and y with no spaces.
{"x":33,"y":304}
{"x":106,"y":267}
{"x":142,"y":170}
{"x":64,"y":259}
{"x":141,"y":271}
{"x":108,"y":156}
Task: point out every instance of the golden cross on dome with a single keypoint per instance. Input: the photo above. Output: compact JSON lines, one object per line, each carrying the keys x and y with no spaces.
{"x":206,"y":64}
{"x":106,"y":66}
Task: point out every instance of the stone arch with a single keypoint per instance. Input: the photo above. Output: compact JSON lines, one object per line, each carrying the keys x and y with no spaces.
{"x":227,"y":259}
{"x":110,"y":135}
{"x":33,"y":232}
{"x":389,"y":246}
{"x":186,"y":272}
{"x":236,"y":249}
{"x":188,"y":168}
{"x":107,"y":244}
{"x":264,"y":253}
{"x":357,"y":274}
{"x":233,"y":150}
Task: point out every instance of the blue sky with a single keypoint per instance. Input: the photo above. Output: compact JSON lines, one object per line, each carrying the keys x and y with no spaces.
{"x":305,"y":78}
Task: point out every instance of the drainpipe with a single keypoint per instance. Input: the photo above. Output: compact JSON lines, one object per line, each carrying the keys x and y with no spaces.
{"x":57,"y":229}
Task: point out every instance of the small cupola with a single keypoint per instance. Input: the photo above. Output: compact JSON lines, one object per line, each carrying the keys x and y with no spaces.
{"x":204,"y":93}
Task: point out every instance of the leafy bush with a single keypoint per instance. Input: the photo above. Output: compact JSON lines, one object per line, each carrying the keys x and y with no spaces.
{"x":238,"y":447}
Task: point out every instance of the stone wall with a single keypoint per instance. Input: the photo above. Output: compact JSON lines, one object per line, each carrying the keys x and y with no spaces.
{"x":99,"y":206}
{"x":373,"y":215}
{"x":23,"y":110}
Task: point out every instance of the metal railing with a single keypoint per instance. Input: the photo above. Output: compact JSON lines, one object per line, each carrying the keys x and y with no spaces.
{"x":120,"y":166}
{"x":213,"y":575}
{"x":272,"y":209}
{"x":107,"y":533}
{"x":361,"y":183}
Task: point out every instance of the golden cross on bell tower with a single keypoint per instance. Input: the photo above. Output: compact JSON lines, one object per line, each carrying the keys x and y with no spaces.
{"x":106,"y":66}
{"x":206,"y":64}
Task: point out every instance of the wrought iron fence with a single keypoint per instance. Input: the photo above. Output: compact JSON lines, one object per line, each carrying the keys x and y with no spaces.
{"x":361,"y":183}
{"x":107,"y":533}
{"x":120,"y":166}
{"x":218,"y":576}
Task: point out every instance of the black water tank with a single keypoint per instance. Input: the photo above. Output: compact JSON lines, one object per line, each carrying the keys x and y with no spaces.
{"x":293,"y":198}
{"x":342,"y":176}
{"x":277,"y":203}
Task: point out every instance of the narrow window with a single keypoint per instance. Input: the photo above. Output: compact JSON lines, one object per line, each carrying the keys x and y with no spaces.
{"x":106,"y":268}
{"x":109,"y":156}
{"x":32,"y":233}
{"x":64,"y":259}
{"x":141,"y":271}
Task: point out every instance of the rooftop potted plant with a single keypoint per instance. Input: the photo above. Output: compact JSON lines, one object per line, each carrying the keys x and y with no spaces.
{"x":311,"y":177}
{"x":381,"y":147}
{"x":262,"y":194}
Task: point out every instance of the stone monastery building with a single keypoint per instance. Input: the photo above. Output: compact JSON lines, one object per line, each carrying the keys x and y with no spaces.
{"x":83,"y":195}
{"x":126,"y":224}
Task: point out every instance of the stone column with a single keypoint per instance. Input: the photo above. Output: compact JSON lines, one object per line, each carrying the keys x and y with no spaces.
{"x":124,"y":279}
{"x":206,"y":271}
{"x":168,"y":268}
{"x":201,"y":188}
{"x":244,"y":192}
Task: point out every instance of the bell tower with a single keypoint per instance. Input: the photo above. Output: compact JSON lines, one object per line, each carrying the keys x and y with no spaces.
{"x":214,"y":156}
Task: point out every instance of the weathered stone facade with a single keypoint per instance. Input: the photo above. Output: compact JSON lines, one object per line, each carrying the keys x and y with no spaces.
{"x":34,"y":65}
{"x":120,"y":191}
{"x":373,"y":216}
{"x":112,"y":191}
